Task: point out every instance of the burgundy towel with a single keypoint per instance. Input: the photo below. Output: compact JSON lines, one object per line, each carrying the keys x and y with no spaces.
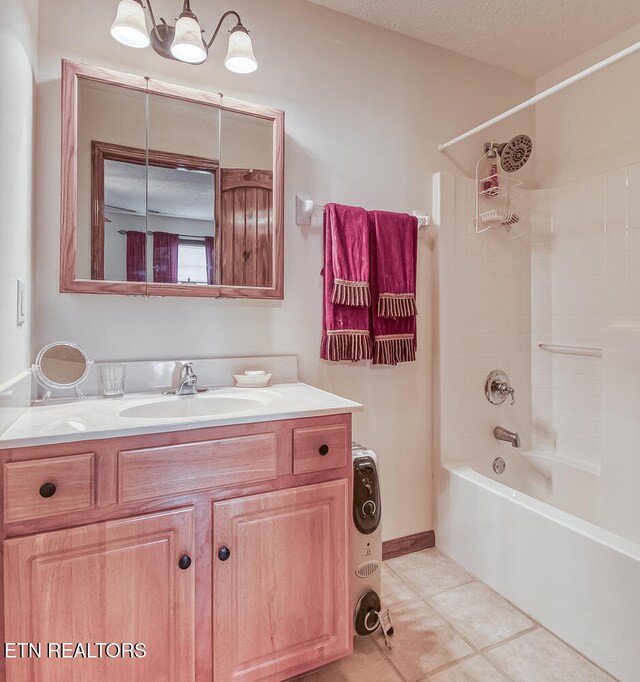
{"x":345,"y":328}
{"x":393,"y":249}
{"x":349,"y":254}
{"x":396,"y":238}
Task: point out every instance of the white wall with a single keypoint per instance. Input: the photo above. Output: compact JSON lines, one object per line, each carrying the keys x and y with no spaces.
{"x":365,"y":110}
{"x":591,"y":127}
{"x":18,"y":21}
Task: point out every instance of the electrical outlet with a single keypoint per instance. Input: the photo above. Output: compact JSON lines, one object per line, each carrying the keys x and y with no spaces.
{"x":21,"y":303}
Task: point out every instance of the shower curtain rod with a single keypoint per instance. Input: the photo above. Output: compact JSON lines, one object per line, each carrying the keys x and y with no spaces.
{"x":189,"y":236}
{"x":628,"y":51}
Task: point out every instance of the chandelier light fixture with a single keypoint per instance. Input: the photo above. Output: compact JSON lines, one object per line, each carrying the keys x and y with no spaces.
{"x":184,"y":41}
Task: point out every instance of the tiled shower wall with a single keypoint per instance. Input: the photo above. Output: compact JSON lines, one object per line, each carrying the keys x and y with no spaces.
{"x":485,"y":320}
{"x":585,"y":278}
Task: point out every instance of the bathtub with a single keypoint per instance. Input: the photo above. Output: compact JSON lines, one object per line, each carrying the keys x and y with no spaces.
{"x":578,"y":580}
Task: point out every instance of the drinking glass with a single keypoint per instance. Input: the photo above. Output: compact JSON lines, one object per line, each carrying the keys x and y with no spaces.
{"x":112,"y":380}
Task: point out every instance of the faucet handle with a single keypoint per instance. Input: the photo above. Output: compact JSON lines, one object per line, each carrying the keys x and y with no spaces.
{"x":505,"y":389}
{"x":187,"y":370}
{"x":497,"y":387}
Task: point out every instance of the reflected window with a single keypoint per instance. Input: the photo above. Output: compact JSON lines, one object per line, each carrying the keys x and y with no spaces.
{"x":192,"y":262}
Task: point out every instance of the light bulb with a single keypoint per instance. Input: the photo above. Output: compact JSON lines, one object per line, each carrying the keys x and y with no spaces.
{"x":240,"y":57}
{"x":130,"y":26}
{"x":187,"y":44}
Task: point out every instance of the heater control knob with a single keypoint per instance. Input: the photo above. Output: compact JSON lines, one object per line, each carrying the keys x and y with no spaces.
{"x":369,"y":508}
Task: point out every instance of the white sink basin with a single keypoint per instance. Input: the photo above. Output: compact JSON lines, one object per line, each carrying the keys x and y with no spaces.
{"x":192,"y":406}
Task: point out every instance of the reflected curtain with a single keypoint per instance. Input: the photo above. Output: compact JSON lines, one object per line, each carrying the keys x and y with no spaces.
{"x":136,"y":256}
{"x":165,"y":257}
{"x":208,"y":248}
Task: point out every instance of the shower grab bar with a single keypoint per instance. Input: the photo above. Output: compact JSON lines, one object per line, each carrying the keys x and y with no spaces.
{"x":571,"y":350}
{"x":544,"y":94}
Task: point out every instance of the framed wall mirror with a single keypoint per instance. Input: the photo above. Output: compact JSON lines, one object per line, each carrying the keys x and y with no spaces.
{"x":168,"y":191}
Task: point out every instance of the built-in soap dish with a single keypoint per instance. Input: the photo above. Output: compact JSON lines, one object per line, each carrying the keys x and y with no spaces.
{"x":252,"y":378}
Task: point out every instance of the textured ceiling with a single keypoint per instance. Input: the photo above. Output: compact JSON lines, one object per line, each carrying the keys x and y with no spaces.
{"x":172,"y":193}
{"x":529,"y":37}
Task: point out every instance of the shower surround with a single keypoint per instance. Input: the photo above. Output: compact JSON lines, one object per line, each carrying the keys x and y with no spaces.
{"x":562,"y":519}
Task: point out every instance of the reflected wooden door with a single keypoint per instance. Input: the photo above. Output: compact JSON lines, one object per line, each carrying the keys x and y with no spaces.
{"x":245,"y":234}
{"x":113,"y":582}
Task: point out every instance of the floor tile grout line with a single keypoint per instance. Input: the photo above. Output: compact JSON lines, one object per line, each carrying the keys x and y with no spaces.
{"x":453,"y":627}
{"x":481,"y":651}
{"x":446,"y":666}
{"x":500,"y":670}
{"x":474,"y":651}
{"x":491,"y":647}
{"x":507,"y":640}
{"x":524,"y":613}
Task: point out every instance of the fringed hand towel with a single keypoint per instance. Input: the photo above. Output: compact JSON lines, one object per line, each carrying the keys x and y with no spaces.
{"x":346,"y":328}
{"x":349,"y":254}
{"x":396,"y":239}
{"x":393,"y":248}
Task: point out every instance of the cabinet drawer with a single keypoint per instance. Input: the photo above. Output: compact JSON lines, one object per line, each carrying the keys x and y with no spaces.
{"x":190,"y":467}
{"x":318,"y":448}
{"x":45,"y":487}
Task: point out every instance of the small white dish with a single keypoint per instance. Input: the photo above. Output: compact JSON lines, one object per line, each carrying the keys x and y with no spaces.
{"x":249,"y":381}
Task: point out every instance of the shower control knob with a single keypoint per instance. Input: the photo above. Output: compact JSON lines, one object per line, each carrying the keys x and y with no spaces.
{"x":369,"y":508}
{"x":497,"y":388}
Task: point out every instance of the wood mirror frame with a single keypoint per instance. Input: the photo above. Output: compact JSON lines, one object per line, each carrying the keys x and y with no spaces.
{"x":69,"y":283}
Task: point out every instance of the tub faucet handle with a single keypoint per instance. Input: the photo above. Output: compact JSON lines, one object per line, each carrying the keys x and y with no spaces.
{"x":498,"y":387}
{"x":505,"y":389}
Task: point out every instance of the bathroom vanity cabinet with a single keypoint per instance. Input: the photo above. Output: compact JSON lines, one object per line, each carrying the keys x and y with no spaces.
{"x":222,"y":552}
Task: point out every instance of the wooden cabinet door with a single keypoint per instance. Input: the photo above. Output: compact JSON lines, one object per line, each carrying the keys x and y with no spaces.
{"x":114,"y":582}
{"x":281,"y":598}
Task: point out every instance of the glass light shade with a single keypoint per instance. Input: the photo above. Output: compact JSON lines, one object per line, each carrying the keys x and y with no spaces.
{"x":240,"y":57}
{"x":187,"y":44}
{"x":130,"y":26}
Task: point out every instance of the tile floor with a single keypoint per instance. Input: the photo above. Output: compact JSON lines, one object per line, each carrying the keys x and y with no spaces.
{"x":450,"y":627}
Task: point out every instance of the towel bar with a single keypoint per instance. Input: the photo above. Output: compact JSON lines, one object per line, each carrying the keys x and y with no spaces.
{"x":305,"y":208}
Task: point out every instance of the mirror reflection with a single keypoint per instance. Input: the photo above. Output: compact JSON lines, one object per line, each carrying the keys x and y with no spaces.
{"x":172,"y":191}
{"x":63,"y":364}
{"x":246,"y":240}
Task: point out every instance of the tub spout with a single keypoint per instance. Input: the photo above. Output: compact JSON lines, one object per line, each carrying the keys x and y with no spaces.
{"x":507,"y":436}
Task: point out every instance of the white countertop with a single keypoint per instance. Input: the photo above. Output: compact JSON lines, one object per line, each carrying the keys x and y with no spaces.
{"x":92,"y":418}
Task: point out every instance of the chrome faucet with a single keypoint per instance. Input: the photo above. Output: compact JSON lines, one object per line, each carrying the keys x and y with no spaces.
{"x":188,"y":384}
{"x":508,"y":436}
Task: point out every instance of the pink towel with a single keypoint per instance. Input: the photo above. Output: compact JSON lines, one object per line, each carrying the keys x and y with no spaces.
{"x":393,"y":255}
{"x":396,"y":239}
{"x":349,"y":254}
{"x":346,"y":328}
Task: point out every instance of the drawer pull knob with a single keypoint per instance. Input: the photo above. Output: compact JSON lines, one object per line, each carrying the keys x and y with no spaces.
{"x":224,"y":553}
{"x":184,"y":562}
{"x":47,"y":489}
{"x":323,"y":449}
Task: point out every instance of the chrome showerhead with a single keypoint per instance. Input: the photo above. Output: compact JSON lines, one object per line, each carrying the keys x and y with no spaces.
{"x":513,"y":154}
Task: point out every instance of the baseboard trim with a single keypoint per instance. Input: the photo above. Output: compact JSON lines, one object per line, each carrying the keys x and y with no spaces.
{"x":408,"y":544}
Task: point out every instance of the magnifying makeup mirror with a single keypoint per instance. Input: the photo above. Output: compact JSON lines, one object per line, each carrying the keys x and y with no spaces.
{"x":62,"y":365}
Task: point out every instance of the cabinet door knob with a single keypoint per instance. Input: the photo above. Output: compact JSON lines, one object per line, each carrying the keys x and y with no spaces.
{"x":323,"y":449}
{"x":184,"y":562}
{"x":224,"y":553}
{"x":48,"y":489}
